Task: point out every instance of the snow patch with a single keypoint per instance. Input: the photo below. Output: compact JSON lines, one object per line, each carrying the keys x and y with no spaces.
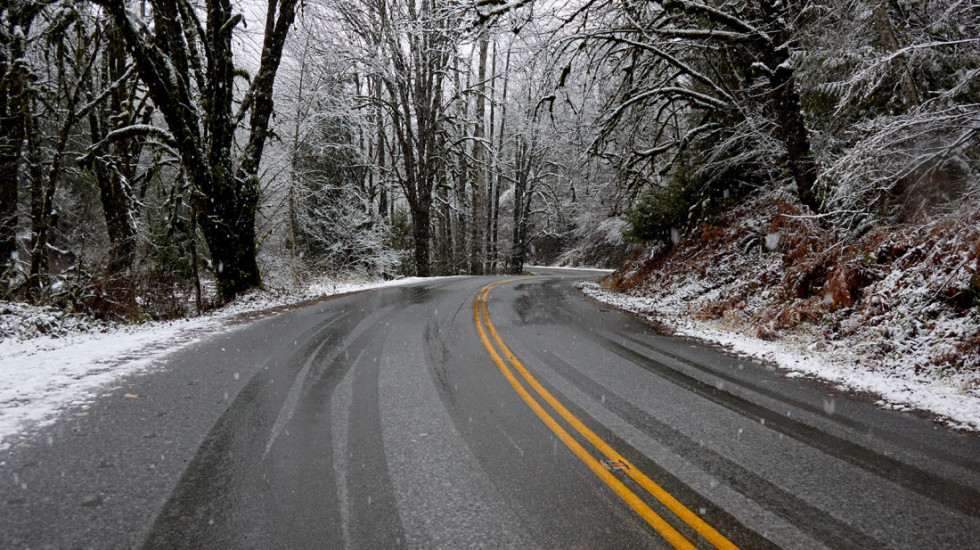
{"x":950,"y":396}
{"x":50,"y":360}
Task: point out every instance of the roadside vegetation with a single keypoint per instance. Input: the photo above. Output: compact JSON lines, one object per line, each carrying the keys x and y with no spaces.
{"x":900,"y":299}
{"x":873,"y":257}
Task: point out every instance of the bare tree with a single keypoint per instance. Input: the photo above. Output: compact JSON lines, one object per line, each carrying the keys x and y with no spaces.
{"x":16,"y":22}
{"x":692,"y":72}
{"x":526,"y":159}
{"x":118,"y":102}
{"x":408,"y":46}
{"x":330,"y":189}
{"x":188,"y":66}
{"x":55,"y":103}
{"x":478,"y":191}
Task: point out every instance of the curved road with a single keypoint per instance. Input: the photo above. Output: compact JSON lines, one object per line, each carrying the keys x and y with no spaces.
{"x":482,"y":413}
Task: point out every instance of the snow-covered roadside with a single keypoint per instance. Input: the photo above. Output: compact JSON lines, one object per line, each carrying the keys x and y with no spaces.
{"x":75,"y":359}
{"x":900,"y":389}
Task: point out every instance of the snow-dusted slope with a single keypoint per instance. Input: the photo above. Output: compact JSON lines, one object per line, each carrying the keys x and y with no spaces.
{"x":891,"y":312}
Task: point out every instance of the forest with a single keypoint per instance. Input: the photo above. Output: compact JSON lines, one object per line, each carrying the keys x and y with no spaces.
{"x":161,"y":157}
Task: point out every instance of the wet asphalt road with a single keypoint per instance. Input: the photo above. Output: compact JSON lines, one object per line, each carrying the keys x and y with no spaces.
{"x":381,"y":420}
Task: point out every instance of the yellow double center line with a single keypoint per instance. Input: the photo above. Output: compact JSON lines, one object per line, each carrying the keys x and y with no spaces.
{"x":481,"y":318}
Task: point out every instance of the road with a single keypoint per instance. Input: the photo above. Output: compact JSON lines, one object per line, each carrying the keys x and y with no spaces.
{"x":482,"y":412}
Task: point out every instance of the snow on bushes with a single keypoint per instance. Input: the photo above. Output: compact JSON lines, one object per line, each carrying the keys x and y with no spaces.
{"x":22,"y":322}
{"x":901,"y":300}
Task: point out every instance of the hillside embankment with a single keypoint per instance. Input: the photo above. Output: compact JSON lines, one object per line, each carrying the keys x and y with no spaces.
{"x":894,"y":311}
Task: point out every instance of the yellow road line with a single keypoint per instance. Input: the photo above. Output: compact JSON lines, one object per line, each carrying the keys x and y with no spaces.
{"x":651,"y":517}
{"x":690,"y":518}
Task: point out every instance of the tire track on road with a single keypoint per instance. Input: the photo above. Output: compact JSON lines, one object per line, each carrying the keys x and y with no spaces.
{"x":945,"y":491}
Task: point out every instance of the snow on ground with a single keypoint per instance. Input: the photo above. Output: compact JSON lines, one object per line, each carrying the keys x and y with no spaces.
{"x":902,"y":389}
{"x":50,"y":360}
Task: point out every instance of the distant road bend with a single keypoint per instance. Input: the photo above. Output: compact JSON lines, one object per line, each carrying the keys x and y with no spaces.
{"x":484,"y":412}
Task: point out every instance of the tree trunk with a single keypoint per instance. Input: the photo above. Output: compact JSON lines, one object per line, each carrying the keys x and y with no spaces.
{"x":118,"y":205}
{"x":793,"y":132}
{"x":518,"y":250}
{"x":381,"y":146}
{"x":492,"y":191}
{"x":786,"y":102}
{"x":479,"y":202}
{"x":421,"y":234}
{"x":498,"y":173}
{"x":41,"y":218}
{"x":226,"y":215}
{"x":462,"y":172}
{"x":13,"y":106}
{"x":886,"y":31}
{"x":444,"y":233}
{"x":11,"y":140}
